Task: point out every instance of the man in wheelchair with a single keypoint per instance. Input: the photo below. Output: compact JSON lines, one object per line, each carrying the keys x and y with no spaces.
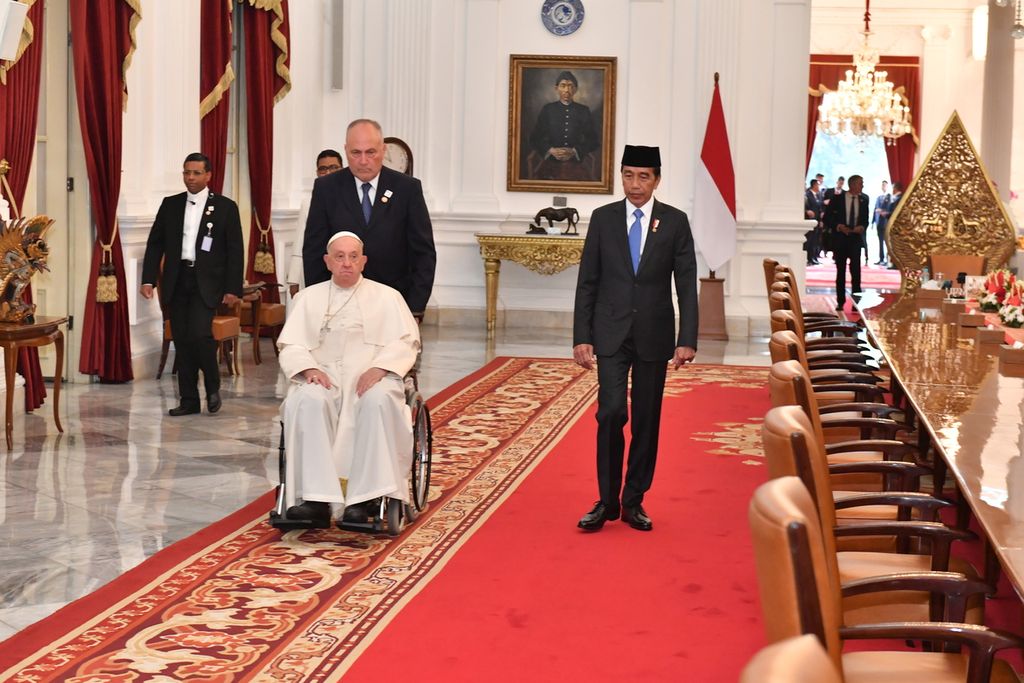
{"x":345,"y":347}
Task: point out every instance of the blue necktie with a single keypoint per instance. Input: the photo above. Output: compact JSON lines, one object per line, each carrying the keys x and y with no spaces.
{"x":366,"y":202}
{"x":634,"y":239}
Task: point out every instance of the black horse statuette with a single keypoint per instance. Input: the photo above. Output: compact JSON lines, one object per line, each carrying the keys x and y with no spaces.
{"x":553,"y":215}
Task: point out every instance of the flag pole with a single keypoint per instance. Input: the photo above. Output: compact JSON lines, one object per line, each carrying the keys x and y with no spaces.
{"x":711,"y":302}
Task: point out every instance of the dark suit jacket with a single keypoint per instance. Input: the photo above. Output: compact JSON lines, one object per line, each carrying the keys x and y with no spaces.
{"x":611,"y":300}
{"x":218,"y":271}
{"x":398,"y":242}
{"x":835,"y":214}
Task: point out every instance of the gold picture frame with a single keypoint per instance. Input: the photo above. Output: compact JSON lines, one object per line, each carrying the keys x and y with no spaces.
{"x":560,"y":142}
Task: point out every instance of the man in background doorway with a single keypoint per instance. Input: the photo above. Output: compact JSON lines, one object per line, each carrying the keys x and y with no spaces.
{"x":812,"y":210}
{"x":846,"y":219}
{"x":883,"y":204}
{"x":327,"y":162}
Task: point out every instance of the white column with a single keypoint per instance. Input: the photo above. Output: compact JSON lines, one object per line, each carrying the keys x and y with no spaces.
{"x":787,"y":108}
{"x":935,"y":81}
{"x":997,"y":107}
{"x":481,"y":74}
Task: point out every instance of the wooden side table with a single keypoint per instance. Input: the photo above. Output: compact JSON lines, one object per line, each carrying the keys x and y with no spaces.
{"x":544,"y":254}
{"x":43,"y":332}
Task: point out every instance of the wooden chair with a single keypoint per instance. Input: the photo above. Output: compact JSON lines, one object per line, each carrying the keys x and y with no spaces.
{"x":799,"y":597}
{"x":271,"y":316}
{"x":868,"y":528}
{"x":226,"y":328}
{"x":800,"y":659}
{"x":952,"y":264}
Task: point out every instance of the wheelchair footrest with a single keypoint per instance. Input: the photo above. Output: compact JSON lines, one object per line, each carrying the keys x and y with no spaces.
{"x":284,"y":523}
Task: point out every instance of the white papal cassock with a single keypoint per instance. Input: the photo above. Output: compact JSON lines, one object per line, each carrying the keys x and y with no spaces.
{"x":333,"y":434}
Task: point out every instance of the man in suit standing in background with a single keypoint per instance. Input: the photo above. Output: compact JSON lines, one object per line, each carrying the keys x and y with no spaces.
{"x":197,"y":240}
{"x":384,"y":208}
{"x":883,"y":207}
{"x":327,"y":162}
{"x":846,"y":218}
{"x":624,"y":321}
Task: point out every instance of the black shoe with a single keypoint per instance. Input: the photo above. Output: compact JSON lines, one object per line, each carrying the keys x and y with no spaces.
{"x":839,"y":307}
{"x":315,"y":511}
{"x":595,"y":519}
{"x":213,"y":402}
{"x":636,"y":518}
{"x":183,"y":410}
{"x":355,"y":514}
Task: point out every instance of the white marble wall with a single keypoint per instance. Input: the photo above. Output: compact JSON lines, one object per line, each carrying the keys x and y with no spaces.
{"x":435,"y":73}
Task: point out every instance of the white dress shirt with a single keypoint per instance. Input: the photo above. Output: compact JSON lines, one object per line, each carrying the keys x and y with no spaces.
{"x":645,"y":220}
{"x":194,"y":205}
{"x":373,"y":189}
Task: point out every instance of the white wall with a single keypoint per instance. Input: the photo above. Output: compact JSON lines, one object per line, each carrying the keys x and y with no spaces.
{"x":435,"y":73}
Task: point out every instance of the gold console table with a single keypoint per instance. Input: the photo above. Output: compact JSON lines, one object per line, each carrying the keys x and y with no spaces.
{"x":544,"y":254}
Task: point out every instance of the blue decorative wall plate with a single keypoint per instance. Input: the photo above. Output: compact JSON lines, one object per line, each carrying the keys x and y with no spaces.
{"x":562,"y":17}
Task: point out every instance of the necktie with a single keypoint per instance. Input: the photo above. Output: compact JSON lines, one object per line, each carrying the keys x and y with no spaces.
{"x":634,"y":239}
{"x":366,"y":202}
{"x":853,"y":211}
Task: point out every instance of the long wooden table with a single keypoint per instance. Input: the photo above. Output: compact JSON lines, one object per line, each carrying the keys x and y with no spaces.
{"x":973,"y":412}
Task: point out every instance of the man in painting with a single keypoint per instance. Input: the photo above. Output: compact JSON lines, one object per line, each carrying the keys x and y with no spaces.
{"x":564,"y":136}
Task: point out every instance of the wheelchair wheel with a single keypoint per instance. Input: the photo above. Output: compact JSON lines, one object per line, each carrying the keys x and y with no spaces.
{"x":422,"y":446}
{"x":394,"y":516}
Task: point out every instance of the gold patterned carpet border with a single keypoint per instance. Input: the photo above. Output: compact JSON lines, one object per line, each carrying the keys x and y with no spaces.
{"x":259,"y":606}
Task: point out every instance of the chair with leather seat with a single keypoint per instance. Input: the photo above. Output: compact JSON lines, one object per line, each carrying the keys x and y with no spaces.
{"x":952,"y":264}
{"x":271,"y":317}
{"x":800,"y":659}
{"x":859,"y":432}
{"x":799,"y":596}
{"x":872,"y":521}
{"x":225,"y":328}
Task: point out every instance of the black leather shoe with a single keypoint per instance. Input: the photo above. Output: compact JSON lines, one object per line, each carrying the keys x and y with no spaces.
{"x":595,"y":519}
{"x":183,"y":410}
{"x":213,"y":402}
{"x":315,"y":511}
{"x":355,"y":514}
{"x":637,"y":518}
{"x":839,"y":307}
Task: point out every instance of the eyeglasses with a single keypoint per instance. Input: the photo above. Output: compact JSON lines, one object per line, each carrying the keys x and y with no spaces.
{"x":330,"y":168}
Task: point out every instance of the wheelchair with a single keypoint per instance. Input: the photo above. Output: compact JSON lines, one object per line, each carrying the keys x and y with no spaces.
{"x":384,"y":514}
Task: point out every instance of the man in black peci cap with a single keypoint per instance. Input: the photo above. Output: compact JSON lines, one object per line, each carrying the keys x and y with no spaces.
{"x":624,"y":321}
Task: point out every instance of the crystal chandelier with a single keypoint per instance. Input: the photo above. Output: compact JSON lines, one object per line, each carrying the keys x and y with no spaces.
{"x":1018,"y":25}
{"x":864,"y":104}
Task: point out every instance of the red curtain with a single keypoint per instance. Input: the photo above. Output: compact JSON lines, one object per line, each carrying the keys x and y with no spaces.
{"x":19,"y":113}
{"x":267,"y":80}
{"x":825,"y":73}
{"x":215,"y":77}
{"x":102,"y":34}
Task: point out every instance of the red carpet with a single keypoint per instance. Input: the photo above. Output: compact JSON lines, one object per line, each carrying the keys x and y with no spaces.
{"x":531,"y":598}
{"x":494,"y":582}
{"x":874,"y":277}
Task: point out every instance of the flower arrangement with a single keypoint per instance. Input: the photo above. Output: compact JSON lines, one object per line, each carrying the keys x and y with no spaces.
{"x":1012,"y":310}
{"x":997,"y":284}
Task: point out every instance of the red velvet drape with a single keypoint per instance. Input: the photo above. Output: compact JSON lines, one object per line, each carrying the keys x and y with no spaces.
{"x":215,"y":76}
{"x":19,"y":113}
{"x":101,"y":48}
{"x":827,"y":70}
{"x":266,"y":36}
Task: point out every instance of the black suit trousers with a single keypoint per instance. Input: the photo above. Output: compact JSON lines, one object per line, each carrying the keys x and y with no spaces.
{"x":847,"y":249}
{"x":612,"y":414}
{"x":194,"y":346}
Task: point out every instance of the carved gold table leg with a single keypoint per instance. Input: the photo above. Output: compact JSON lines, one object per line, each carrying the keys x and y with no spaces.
{"x":492,"y":270}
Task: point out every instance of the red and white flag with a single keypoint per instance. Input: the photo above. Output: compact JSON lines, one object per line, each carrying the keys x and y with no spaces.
{"x":714,"y":203}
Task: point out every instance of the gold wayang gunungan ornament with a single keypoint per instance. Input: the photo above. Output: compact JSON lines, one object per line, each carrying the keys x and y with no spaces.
{"x":23,"y":253}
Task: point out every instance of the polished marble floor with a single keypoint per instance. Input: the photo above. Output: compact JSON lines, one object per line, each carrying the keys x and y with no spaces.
{"x":125,"y":480}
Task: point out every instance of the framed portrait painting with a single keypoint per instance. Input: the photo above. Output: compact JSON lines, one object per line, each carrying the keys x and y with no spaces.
{"x":561,"y":124}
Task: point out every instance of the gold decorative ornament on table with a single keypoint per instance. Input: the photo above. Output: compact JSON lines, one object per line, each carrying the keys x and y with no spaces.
{"x":951,"y":207}
{"x":23,"y":253}
{"x":543,"y":254}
